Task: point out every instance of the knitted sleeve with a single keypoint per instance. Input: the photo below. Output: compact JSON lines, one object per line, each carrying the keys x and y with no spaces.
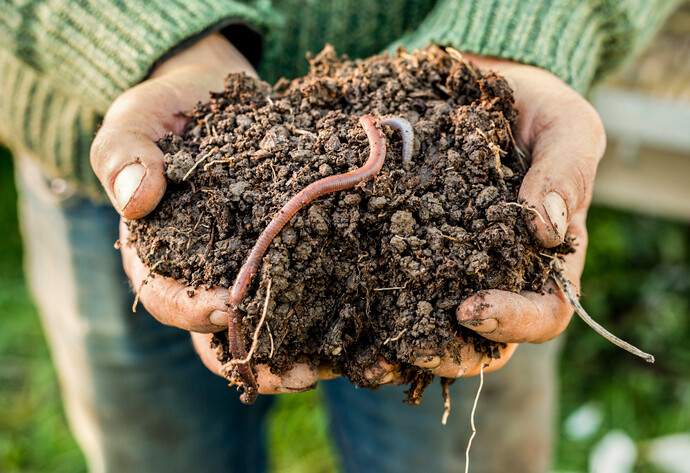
{"x":96,"y":49}
{"x":580,"y":41}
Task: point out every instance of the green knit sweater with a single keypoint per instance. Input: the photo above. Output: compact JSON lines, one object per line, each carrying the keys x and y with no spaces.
{"x":63,"y":62}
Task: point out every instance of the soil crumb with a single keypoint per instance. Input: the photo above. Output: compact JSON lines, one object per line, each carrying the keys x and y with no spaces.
{"x":363,"y":274}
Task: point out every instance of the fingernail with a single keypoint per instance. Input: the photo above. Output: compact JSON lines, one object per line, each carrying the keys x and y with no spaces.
{"x":387,"y":378}
{"x":429,"y":362}
{"x":219,"y":317}
{"x":481,"y":326}
{"x":377,"y":373}
{"x":289,"y":390}
{"x":126,"y":184}
{"x":557,"y":212}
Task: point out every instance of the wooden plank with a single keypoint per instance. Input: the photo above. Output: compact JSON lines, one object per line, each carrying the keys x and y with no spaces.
{"x":656,"y":182}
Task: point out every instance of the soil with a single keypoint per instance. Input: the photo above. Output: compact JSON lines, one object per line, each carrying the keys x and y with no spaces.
{"x":375,"y":271}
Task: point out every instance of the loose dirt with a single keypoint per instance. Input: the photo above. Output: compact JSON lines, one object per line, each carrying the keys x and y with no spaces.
{"x":363,"y":274}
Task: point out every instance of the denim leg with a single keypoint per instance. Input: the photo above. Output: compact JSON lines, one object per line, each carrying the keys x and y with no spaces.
{"x":137,"y":397}
{"x":377,"y":433}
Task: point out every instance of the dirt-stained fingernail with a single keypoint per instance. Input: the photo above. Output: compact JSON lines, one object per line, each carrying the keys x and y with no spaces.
{"x":219,"y":317}
{"x":375,"y":373}
{"x":557,"y":212}
{"x":481,"y":326}
{"x":428,"y":362}
{"x":387,"y":378}
{"x":126,"y":184}
{"x":300,"y":389}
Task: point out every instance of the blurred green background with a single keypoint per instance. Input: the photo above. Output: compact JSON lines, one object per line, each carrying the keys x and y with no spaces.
{"x":636,"y":283}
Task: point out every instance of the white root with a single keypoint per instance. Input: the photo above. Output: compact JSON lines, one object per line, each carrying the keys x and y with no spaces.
{"x":529,"y":209}
{"x":191,"y":170}
{"x":570,"y":295}
{"x":270,"y":336}
{"x":445,"y":383}
{"x":474,"y":410}
{"x":396,"y":338}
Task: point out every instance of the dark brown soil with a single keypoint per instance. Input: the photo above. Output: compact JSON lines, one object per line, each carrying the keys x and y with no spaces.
{"x":376,"y":271}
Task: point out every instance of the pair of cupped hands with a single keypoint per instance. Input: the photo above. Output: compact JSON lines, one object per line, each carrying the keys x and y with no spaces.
{"x":557,"y":128}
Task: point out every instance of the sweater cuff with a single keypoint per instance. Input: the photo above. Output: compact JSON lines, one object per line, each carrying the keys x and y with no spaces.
{"x":99,"y":49}
{"x":578,"y":41}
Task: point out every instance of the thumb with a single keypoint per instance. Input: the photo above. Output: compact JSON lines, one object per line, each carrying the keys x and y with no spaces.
{"x":124,"y":154}
{"x":569,"y":141}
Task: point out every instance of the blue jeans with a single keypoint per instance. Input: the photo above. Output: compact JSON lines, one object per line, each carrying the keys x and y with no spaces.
{"x":139,"y":400}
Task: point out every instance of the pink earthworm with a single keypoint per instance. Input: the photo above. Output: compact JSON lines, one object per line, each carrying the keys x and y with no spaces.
{"x":377,"y":155}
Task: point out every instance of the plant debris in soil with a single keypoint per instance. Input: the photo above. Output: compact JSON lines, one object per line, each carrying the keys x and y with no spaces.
{"x":372,"y":272}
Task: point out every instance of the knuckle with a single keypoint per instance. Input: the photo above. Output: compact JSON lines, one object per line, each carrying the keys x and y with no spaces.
{"x":583,"y":173}
{"x":191,"y":312}
{"x":592,"y":117}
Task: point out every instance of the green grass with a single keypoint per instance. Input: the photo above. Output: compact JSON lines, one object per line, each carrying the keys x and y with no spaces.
{"x":637,"y":283}
{"x":33,"y":432}
{"x":34,"y":437}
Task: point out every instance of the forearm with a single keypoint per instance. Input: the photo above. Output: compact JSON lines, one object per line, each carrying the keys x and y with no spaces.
{"x":97,"y":49}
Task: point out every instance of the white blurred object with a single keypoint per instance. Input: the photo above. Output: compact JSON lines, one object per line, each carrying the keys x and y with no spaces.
{"x":671,"y":453}
{"x":615,"y":453}
{"x":584,"y":421}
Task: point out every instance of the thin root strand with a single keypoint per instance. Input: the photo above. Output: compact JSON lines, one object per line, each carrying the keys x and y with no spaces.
{"x":572,"y":298}
{"x":531,"y":209}
{"x":396,"y":338}
{"x":445,"y":384}
{"x":474,"y":410}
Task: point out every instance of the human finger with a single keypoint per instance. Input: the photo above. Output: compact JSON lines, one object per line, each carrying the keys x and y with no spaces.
{"x":568,"y":146}
{"x":467,"y":363}
{"x":171,"y":302}
{"x":301,"y":377}
{"x":529,"y":316}
{"x":383,"y":372}
{"x":124,"y":154}
{"x":565,"y":139}
{"x":326,"y":371}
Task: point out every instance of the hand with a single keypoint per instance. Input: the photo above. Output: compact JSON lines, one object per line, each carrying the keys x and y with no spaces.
{"x":565,"y":139}
{"x":124,"y":154}
{"x":129,"y":164}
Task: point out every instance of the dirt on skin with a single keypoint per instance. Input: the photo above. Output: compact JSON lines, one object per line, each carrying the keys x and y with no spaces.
{"x":362,"y":274}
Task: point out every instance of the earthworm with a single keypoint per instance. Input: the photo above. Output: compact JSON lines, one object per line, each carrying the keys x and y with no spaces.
{"x":405,"y":129}
{"x":377,"y":154}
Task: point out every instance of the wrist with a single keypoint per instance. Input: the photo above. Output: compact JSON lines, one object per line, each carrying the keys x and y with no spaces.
{"x":214,"y":52}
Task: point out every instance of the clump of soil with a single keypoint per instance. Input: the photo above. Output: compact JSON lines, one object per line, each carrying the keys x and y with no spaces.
{"x":375,"y":271}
